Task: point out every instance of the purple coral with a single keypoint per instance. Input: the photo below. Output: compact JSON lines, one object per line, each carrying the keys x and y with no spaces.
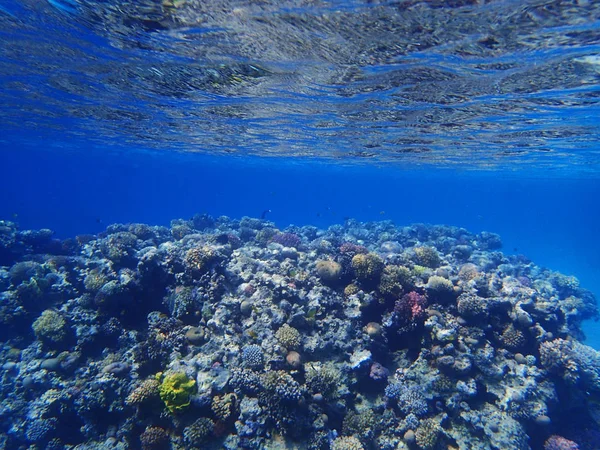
{"x":287,"y":239}
{"x":555,"y":442}
{"x":525,"y":281}
{"x":350,"y":247}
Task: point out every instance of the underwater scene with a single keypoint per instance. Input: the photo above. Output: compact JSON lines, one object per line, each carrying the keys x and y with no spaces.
{"x":299,"y":224}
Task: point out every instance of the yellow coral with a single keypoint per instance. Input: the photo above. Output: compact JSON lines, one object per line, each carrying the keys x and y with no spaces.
{"x":351,"y":289}
{"x":175,"y":390}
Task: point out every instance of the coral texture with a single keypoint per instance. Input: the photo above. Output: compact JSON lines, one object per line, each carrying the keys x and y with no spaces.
{"x":222,"y":333}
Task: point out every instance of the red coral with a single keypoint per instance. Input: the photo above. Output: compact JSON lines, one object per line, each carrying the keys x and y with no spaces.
{"x":555,"y":442}
{"x":410,"y":308}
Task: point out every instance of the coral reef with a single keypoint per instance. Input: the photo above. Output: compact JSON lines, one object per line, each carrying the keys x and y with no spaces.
{"x":221,"y":333}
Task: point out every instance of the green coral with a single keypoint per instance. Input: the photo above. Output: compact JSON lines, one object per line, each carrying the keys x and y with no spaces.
{"x":94,"y":280}
{"x":394,"y":279}
{"x":351,"y":289}
{"x":367,"y":267}
{"x":419,"y":271}
{"x":29,"y":293}
{"x":440,"y":286}
{"x":51,"y":328}
{"x":175,"y":391}
{"x":427,"y":256}
{"x":281,"y":386}
{"x":265,"y":235}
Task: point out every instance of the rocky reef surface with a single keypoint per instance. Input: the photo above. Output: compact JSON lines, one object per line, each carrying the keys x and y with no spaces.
{"x":221,"y":333}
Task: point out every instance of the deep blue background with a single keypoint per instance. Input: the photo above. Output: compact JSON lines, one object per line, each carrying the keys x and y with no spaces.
{"x":554,"y":221}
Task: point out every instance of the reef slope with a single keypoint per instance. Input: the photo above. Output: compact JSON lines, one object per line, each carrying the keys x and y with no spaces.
{"x":222,"y":333}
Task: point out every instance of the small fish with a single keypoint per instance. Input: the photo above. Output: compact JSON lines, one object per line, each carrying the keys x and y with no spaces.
{"x":382,"y":213}
{"x":264,"y":213}
{"x":98,"y":220}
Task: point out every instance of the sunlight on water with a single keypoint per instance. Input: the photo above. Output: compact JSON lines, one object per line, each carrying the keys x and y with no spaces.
{"x":499,"y":84}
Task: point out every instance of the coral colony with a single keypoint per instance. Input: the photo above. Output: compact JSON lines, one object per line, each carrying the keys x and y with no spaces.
{"x":221,"y":333}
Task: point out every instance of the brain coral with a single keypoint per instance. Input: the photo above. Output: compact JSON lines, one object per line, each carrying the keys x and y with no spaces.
{"x":147,"y":391}
{"x":472,"y":306}
{"x":329,"y":271}
{"x":223,"y":406}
